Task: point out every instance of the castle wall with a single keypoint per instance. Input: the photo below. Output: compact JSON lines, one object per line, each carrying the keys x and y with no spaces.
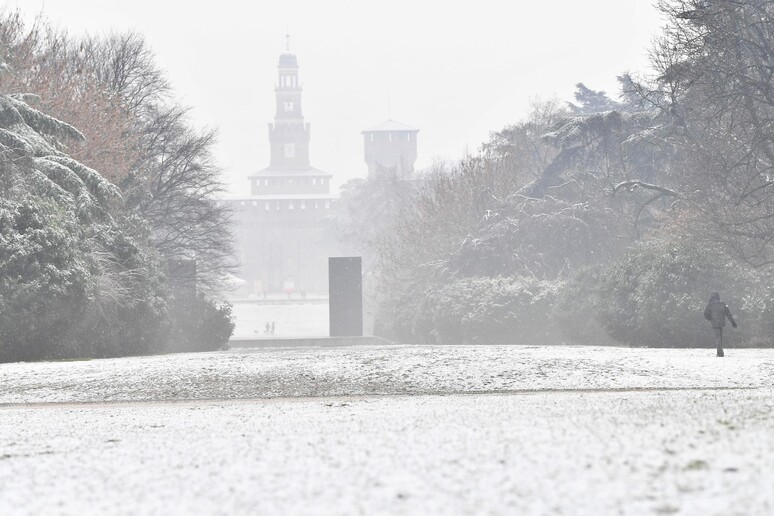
{"x":283,"y":245}
{"x":289,"y":185}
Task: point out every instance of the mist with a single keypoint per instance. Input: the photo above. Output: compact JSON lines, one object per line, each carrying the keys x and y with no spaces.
{"x":345,"y":258}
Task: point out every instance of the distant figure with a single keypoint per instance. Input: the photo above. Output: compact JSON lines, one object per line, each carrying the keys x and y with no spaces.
{"x":267,"y":329}
{"x":272,"y":327}
{"x":716,"y":312}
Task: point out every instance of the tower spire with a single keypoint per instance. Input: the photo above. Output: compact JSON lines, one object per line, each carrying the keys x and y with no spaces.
{"x":287,"y":40}
{"x":289,"y":135}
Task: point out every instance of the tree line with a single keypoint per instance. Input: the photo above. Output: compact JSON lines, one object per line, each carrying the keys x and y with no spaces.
{"x":106,"y":188}
{"x":600,"y":220}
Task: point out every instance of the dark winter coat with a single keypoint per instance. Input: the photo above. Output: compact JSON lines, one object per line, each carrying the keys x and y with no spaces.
{"x":717,"y":311}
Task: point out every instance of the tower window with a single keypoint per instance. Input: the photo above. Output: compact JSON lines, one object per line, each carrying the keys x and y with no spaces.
{"x":290,"y":150}
{"x":408,"y":137}
{"x":389,"y":137}
{"x":303,"y":205}
{"x":372,"y":137}
{"x":290,"y":205}
{"x":288,"y":106}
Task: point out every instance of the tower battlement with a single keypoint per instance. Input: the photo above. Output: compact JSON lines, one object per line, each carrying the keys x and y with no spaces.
{"x":390,"y":146}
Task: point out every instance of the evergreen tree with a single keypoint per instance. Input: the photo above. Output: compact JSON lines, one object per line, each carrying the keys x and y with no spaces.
{"x":590,"y":101}
{"x":75,"y":279}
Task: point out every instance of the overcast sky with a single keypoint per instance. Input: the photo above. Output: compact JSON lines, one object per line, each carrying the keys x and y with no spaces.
{"x":455,"y":70}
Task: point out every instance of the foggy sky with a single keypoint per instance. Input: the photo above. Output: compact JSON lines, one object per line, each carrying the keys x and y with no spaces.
{"x":455,"y":70}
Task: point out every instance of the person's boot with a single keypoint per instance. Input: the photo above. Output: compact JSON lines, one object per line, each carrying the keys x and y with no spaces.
{"x":720,"y":352}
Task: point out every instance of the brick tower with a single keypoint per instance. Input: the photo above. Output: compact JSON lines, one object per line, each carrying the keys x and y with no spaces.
{"x":391,"y":146}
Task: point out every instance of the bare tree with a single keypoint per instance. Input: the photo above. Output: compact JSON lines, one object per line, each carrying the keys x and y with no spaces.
{"x":135,"y":134}
{"x":54,"y":68}
{"x":176,"y":188}
{"x":714,"y":89}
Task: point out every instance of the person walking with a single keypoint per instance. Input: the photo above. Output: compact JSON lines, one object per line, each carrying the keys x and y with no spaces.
{"x":716,"y":312}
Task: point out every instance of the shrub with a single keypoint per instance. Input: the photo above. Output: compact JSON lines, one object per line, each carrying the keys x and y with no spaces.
{"x":44,"y":278}
{"x":655,"y":296}
{"x":576,"y":309}
{"x":198,"y":324}
{"x":502,"y":310}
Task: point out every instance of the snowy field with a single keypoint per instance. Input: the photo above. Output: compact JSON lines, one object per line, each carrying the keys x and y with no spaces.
{"x":392,"y":430}
{"x":380,"y":370}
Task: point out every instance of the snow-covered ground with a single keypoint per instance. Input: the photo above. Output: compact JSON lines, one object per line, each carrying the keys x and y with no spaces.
{"x":397,"y":430}
{"x":368,"y":370}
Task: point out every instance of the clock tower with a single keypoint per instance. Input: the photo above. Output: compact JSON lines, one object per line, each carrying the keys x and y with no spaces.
{"x":281,"y":226}
{"x":288,"y":135}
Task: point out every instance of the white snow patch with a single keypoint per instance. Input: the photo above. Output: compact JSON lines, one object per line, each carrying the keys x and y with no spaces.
{"x":685,"y":452}
{"x":376,"y":370}
{"x":440,"y":430}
